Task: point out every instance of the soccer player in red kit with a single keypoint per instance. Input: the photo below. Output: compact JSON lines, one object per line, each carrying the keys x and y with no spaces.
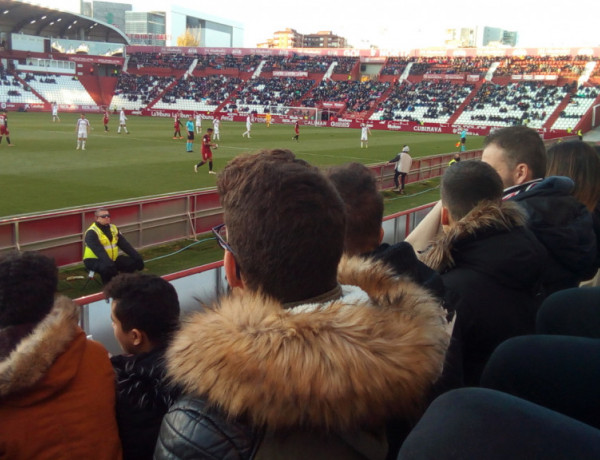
{"x":4,"y":128}
{"x":207,"y":152}
{"x":297,"y":131}
{"x":105,"y":119}
{"x":177,"y":127}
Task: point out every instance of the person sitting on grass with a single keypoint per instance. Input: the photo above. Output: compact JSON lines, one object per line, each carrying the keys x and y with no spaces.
{"x":145,"y":314}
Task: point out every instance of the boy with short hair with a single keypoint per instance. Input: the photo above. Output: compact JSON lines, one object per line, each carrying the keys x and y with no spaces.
{"x":488,"y":257}
{"x":145,"y":314}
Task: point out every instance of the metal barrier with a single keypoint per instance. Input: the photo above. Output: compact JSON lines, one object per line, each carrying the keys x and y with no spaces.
{"x":201,"y":285}
{"x":156,"y":220}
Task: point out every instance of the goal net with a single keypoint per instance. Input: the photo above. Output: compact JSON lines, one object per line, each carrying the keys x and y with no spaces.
{"x":307,"y":115}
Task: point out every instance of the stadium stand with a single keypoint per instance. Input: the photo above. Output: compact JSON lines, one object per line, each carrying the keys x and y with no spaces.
{"x":62,"y":89}
{"x":199,"y":93}
{"x":358,"y":96}
{"x":528,"y":103}
{"x":429,"y":100}
{"x":576,"y":108}
{"x":261,"y":93}
{"x":12,"y":90}
{"x":134,"y":92}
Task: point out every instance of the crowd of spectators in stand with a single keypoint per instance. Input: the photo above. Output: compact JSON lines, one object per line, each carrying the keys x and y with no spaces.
{"x":559,"y":65}
{"x":41,"y":77}
{"x":314,"y":64}
{"x":447,"y":65}
{"x":274,"y":91}
{"x":395,"y":65}
{"x":358,"y":96}
{"x":521,"y":102}
{"x":212,"y":89}
{"x":144,"y":88}
{"x":345,"y":64}
{"x":171,"y":61}
{"x":583,"y":92}
{"x":246,"y":63}
{"x":442,"y":99}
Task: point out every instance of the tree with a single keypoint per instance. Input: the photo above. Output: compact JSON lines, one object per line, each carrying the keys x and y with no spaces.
{"x":187,"y":39}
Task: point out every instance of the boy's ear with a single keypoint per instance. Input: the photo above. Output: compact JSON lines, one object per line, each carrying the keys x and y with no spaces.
{"x":381,"y":233}
{"x":136,"y":336}
{"x":232,"y":272}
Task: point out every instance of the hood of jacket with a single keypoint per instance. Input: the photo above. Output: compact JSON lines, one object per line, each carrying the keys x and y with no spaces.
{"x":562,"y":224}
{"x":29,"y":362}
{"x":338,"y":366}
{"x":491,"y":239}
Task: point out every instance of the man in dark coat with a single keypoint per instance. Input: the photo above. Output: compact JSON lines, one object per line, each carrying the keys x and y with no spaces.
{"x":489,"y":257}
{"x":560,"y":222}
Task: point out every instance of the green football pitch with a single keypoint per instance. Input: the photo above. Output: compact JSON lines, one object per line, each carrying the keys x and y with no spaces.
{"x":43,"y":170}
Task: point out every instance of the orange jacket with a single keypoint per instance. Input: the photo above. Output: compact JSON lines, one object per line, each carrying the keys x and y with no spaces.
{"x":57,"y":393}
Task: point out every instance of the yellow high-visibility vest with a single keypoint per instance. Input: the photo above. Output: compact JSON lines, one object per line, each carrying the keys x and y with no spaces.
{"x":110,"y":247}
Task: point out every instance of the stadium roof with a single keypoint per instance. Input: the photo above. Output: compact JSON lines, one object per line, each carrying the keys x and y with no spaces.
{"x":21,"y":17}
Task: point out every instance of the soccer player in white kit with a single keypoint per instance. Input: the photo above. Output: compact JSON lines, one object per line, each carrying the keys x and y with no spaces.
{"x":248,"y":126}
{"x":55,"y":116}
{"x":122,"y":121}
{"x":216,"y":128}
{"x":198,"y":123}
{"x":82,"y":128}
{"x":365,"y":132}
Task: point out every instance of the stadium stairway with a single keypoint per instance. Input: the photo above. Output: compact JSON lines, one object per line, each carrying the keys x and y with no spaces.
{"x":164,"y":91}
{"x":554,"y":115}
{"x":24,"y":84}
{"x":462,"y":106}
{"x":378,"y":101}
{"x":298,"y":102}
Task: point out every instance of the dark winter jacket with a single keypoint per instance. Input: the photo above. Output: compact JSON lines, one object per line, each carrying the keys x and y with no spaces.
{"x":564,"y":226}
{"x":143,"y":398}
{"x":316,"y":381}
{"x":494,"y":263}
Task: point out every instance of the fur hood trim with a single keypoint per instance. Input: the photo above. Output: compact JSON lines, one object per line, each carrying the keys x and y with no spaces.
{"x":485,"y":217}
{"x":29,"y":362}
{"x":338,"y":366}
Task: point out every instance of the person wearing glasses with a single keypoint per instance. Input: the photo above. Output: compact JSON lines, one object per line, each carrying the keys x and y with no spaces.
{"x":102,"y":244}
{"x":306,"y":357}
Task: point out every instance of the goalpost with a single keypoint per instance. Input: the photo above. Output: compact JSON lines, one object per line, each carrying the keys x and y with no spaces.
{"x":308,"y":115}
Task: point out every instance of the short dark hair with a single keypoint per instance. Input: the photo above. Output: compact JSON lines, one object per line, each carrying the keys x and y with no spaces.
{"x":357,"y":186}
{"x":521,"y":145}
{"x":28,"y":283}
{"x":285,"y":224}
{"x":579,"y":161}
{"x":468,"y":183}
{"x":145,"y":302}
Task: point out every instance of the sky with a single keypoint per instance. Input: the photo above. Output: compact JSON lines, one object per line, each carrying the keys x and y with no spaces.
{"x":398,"y":24}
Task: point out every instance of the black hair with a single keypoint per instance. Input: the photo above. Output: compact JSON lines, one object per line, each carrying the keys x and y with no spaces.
{"x":145,"y":302}
{"x":28,"y":283}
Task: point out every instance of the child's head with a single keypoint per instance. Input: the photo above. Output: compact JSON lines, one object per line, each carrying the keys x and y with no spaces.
{"x":144,"y":311}
{"x":28,"y":283}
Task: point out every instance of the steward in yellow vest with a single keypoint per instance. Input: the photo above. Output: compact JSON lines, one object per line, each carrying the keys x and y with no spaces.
{"x":102,"y":244}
